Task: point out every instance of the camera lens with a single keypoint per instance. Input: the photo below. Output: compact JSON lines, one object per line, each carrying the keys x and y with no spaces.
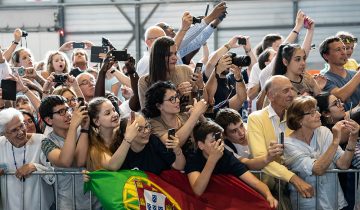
{"x":241,"y":60}
{"x":24,"y":33}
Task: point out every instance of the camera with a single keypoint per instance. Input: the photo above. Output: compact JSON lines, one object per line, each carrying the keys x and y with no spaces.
{"x":196,"y":20}
{"x":60,"y":78}
{"x":241,"y":60}
{"x":24,"y":33}
{"x":106,"y":43}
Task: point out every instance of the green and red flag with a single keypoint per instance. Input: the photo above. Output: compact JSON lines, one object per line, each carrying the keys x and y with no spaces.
{"x":133,"y":189}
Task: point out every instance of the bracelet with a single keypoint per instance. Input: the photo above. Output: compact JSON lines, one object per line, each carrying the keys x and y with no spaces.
{"x":240,"y":80}
{"x":213,"y":26}
{"x":295,"y":32}
{"x":83,"y":130}
{"x":14,"y":42}
{"x":127,"y":141}
{"x":112,"y":71}
{"x":227,"y":47}
{"x":350,"y":150}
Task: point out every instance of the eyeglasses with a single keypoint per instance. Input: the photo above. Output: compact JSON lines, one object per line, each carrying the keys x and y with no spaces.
{"x":145,"y":129}
{"x":71,"y":100}
{"x":87,"y":82}
{"x":312,"y":112}
{"x":172,"y":99}
{"x":63,"y":111}
{"x":337,"y":103}
{"x":17,"y":129}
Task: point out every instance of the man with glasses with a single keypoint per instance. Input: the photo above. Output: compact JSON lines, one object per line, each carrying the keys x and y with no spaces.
{"x":342,"y":83}
{"x":20,"y":153}
{"x":60,"y":148}
{"x":87,"y":83}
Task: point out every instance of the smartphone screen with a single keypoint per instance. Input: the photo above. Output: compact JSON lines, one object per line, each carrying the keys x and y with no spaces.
{"x":242,"y":41}
{"x":78,"y":45}
{"x":198,"y":68}
{"x":8,"y":90}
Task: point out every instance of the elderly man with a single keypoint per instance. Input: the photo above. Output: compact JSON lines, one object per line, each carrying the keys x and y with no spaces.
{"x":151,"y":34}
{"x":266,"y":125}
{"x":20,"y":152}
{"x":87,"y":83}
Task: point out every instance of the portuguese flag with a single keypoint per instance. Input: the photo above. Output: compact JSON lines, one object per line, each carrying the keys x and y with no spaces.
{"x":133,"y":189}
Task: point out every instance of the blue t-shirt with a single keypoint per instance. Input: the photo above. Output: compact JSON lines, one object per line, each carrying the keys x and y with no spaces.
{"x":336,"y":81}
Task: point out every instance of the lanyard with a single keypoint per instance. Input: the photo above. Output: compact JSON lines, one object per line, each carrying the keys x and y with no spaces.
{"x":12,"y":148}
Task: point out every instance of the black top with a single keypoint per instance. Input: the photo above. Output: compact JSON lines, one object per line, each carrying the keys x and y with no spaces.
{"x":227,"y":164}
{"x":153,"y":158}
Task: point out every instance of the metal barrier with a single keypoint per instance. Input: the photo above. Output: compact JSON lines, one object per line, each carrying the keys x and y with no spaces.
{"x":73,"y":174}
{"x":54,"y":186}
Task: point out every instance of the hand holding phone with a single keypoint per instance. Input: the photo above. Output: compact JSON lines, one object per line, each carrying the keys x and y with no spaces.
{"x":171,"y":132}
{"x":217,"y":136}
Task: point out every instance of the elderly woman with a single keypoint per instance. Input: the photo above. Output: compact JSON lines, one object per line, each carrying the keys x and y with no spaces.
{"x":312,"y":149}
{"x":20,"y":153}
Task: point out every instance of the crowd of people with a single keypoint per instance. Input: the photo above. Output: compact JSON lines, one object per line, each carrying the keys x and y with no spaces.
{"x":167,"y":111}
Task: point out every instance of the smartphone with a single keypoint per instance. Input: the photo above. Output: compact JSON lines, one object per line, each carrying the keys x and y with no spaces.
{"x":171,"y":132}
{"x":217,"y":136}
{"x":241,"y":41}
{"x":198,"y":68}
{"x":120,"y":55}
{"x":306,"y":23}
{"x":78,"y":45}
{"x":132,"y":116}
{"x":75,"y":72}
{"x":281,"y":138}
{"x":8,"y":89}
{"x":95,"y":53}
{"x":81,"y":101}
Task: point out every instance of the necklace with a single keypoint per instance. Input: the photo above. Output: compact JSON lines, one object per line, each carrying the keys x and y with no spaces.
{"x":12,"y":148}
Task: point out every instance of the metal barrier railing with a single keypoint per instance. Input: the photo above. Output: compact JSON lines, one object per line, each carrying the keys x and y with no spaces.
{"x":73,"y":174}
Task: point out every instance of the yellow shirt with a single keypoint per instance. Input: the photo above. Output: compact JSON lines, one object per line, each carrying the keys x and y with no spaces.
{"x":351,"y":64}
{"x":260,"y":133}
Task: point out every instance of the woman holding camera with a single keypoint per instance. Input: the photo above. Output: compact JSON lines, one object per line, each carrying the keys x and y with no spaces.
{"x":312,"y":149}
{"x":116,"y":144}
{"x":162,"y":105}
{"x":163,"y":67}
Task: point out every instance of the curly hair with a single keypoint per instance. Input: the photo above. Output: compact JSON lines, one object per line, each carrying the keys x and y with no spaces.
{"x":154,"y":96}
